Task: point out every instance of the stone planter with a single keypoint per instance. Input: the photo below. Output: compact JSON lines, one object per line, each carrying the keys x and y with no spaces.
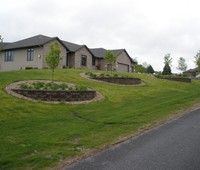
{"x":180,"y":79}
{"x":49,"y":95}
{"x":120,"y":80}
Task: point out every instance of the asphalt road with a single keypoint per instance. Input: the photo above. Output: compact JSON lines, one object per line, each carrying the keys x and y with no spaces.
{"x":172,"y":146}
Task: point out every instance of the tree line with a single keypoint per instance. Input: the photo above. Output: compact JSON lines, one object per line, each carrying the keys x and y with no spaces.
{"x":182,"y":65}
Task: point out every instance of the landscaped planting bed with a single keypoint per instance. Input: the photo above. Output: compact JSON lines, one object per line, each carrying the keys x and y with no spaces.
{"x":175,"y":78}
{"x":52,"y":91}
{"x":114,"y":78}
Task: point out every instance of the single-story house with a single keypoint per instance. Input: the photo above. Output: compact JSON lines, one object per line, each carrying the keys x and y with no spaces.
{"x":31,"y":52}
{"x":192,"y":72}
{"x":124,"y":62}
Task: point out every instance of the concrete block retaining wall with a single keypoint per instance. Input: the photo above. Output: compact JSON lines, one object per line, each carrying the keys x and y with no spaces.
{"x":57,"y":95}
{"x":120,"y":80}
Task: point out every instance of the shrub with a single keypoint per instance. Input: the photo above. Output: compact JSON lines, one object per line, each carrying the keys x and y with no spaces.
{"x":80,"y":88}
{"x":63,"y":86}
{"x":24,"y":86}
{"x":38,"y":85}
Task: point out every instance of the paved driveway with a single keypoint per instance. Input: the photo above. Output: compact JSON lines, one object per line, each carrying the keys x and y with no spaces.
{"x":172,"y":146}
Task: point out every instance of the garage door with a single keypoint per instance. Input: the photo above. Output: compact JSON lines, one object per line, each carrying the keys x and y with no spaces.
{"x":123,"y":67}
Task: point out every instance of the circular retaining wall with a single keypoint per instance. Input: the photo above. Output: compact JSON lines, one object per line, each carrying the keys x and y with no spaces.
{"x":182,"y":79}
{"x":120,"y":80}
{"x":57,"y":95}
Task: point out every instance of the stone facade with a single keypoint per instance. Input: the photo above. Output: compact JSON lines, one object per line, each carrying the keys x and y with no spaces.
{"x":83,"y":52}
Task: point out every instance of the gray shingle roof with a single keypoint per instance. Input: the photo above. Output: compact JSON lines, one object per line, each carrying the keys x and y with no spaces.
{"x":29,"y":42}
{"x":101,"y":52}
{"x":71,"y":46}
{"x":98,"y":52}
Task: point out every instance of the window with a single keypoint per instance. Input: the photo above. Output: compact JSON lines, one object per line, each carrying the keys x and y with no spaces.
{"x":8,"y":56}
{"x":83,"y":60}
{"x":30,"y":54}
{"x":93,"y":61}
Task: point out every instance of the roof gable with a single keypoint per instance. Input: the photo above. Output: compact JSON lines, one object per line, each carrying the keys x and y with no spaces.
{"x":101,"y":53}
{"x":71,"y":46}
{"x":28,"y":42}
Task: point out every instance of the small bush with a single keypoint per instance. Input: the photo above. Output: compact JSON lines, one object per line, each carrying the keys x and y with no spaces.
{"x":38,"y":85}
{"x":24,"y":86}
{"x":63,"y":86}
{"x":80,"y":88}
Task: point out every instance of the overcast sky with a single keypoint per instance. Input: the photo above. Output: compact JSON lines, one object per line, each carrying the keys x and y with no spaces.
{"x":147,"y":29}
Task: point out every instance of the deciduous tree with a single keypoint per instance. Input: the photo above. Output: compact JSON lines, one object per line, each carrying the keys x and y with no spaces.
{"x":110,"y":58}
{"x":182,"y":66}
{"x":197,"y":60}
{"x":53,"y":57}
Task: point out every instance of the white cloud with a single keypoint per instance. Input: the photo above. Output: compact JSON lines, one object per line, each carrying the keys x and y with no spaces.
{"x":147,"y":29}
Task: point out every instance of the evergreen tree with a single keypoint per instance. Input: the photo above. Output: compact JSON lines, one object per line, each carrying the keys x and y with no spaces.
{"x":166,"y":70}
{"x":150,"y":69}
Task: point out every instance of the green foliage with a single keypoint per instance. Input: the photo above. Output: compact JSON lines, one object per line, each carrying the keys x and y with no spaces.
{"x":52,"y":86}
{"x":80,"y":88}
{"x":110,"y":58}
{"x":53,"y":57}
{"x":38,"y":85}
{"x":150,"y":69}
{"x":197,"y":60}
{"x":168,"y":60}
{"x":24,"y":86}
{"x":167,"y":70}
{"x":94,"y":75}
{"x":140,"y":68}
{"x":182,"y":66}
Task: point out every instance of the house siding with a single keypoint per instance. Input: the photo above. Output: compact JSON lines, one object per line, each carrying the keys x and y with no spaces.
{"x":63,"y":53}
{"x":124,"y":59}
{"x":78,"y":54}
{"x":20,"y":60}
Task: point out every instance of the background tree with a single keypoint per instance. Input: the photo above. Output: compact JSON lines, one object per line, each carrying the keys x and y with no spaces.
{"x":168,"y":64}
{"x":197,"y":60}
{"x":168,"y":59}
{"x":182,"y":66}
{"x":166,"y":70}
{"x":150,"y":69}
{"x":139,"y":68}
{"x":53,"y":57}
{"x":110,"y":58}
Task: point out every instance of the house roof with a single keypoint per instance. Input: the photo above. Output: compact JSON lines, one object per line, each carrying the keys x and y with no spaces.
{"x":101,"y":52}
{"x":29,"y":42}
{"x":3,"y":44}
{"x":71,"y":46}
{"x":98,"y":52}
{"x":191,"y":70}
{"x":40,"y":40}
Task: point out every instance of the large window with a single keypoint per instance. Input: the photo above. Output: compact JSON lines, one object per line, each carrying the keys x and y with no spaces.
{"x":8,"y":56}
{"x":93,"y":61}
{"x":83,"y":60}
{"x":30,"y":54}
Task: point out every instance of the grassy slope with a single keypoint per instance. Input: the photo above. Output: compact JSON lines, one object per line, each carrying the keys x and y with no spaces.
{"x":38,"y":135}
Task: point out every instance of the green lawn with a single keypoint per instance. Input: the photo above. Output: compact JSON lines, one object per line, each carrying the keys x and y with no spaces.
{"x":40,"y":136}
